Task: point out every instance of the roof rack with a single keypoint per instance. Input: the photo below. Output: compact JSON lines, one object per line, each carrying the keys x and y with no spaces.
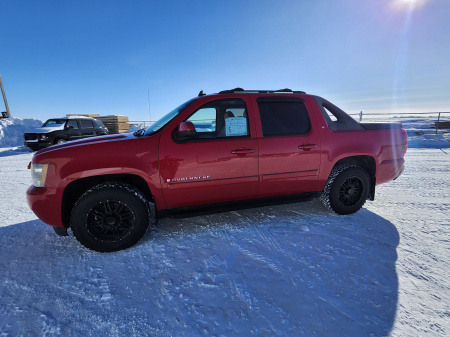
{"x":286,"y":90}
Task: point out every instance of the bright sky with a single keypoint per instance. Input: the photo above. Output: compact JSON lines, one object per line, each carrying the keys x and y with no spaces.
{"x":114,"y":57}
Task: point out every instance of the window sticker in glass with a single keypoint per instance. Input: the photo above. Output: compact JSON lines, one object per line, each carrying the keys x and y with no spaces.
{"x":236,"y":126}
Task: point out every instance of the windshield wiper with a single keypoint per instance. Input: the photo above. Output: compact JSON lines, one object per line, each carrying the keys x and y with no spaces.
{"x":139,"y":132}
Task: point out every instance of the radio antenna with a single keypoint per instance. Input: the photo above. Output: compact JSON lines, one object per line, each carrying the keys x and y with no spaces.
{"x":148,"y":99}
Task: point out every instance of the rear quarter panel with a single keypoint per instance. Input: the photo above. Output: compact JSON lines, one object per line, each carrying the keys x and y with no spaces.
{"x":384,"y":146}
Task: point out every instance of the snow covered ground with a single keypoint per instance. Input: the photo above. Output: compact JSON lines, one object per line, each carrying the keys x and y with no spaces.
{"x":292,"y":269}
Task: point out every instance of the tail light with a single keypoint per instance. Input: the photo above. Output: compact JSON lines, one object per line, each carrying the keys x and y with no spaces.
{"x":404,"y":141}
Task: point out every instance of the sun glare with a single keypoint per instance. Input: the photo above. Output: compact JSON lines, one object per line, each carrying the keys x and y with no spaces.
{"x":408,"y":4}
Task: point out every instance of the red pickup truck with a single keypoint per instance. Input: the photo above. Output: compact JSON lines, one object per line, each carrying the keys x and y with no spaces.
{"x":227,"y":147}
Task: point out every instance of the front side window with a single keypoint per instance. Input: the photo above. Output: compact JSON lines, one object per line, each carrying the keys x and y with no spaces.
{"x":282,"y":117}
{"x":221,"y":119}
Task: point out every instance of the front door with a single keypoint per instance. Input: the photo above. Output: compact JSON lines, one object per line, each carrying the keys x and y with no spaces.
{"x":219,"y":164}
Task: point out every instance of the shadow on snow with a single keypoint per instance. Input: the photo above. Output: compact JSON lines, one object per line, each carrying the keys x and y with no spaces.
{"x":274,"y":270}
{"x":15,"y":151}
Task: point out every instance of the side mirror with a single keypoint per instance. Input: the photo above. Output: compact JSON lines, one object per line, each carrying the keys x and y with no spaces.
{"x":185,"y":131}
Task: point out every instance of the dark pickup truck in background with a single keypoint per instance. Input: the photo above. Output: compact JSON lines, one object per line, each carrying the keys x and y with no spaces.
{"x":64,"y":129}
{"x":228,"y":147}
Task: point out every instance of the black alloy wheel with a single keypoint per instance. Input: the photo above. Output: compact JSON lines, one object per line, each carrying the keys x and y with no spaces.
{"x":110,"y":220}
{"x":350,"y":191}
{"x":110,"y":217}
{"x":346,"y":190}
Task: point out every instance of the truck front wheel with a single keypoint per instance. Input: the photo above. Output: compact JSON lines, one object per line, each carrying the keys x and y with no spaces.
{"x":110,"y":217}
{"x":346,"y":190}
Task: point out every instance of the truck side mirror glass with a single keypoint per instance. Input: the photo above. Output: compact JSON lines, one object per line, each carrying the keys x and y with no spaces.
{"x":185,"y":131}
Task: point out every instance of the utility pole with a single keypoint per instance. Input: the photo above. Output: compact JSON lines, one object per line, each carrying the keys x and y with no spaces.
{"x":8,"y":114}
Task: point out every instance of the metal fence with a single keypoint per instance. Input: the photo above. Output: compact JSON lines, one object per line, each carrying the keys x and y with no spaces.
{"x":144,"y":124}
{"x":435,"y":117}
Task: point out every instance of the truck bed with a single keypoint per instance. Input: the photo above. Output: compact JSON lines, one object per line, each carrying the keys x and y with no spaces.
{"x":381,"y":126}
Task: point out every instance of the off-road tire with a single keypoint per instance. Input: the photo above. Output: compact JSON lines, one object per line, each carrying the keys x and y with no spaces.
{"x":346,"y":190}
{"x":110,"y":217}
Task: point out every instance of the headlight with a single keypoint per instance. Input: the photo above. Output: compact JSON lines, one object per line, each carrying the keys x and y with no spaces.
{"x":39,"y":174}
{"x":44,"y":137}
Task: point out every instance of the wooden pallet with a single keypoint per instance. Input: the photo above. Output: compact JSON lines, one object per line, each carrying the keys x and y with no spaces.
{"x":442,"y":125}
{"x":115,"y":124}
{"x":83,"y":115}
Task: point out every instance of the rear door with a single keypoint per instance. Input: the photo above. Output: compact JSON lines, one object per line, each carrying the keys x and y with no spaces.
{"x":220,"y":164}
{"x":289,"y":146}
{"x":87,"y":128}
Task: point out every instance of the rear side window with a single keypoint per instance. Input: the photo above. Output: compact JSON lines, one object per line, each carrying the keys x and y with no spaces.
{"x":283,"y":117}
{"x":86,"y":124}
{"x":336,"y":118}
{"x":98,"y":123}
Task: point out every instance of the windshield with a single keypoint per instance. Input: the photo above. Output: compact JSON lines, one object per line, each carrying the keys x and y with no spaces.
{"x":54,"y":122}
{"x":155,"y":127}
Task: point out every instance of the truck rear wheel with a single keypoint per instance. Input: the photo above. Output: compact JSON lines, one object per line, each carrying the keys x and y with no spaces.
{"x":346,"y":190}
{"x":110,"y":217}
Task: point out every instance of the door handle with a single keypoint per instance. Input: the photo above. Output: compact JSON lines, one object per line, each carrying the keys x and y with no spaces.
{"x":242,"y":151}
{"x":307,"y":147}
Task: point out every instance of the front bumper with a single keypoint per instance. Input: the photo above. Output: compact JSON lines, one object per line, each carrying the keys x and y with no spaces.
{"x":37,"y":145}
{"x":46,"y":204}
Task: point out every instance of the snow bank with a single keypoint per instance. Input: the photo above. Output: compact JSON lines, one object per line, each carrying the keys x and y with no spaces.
{"x":12,"y":130}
